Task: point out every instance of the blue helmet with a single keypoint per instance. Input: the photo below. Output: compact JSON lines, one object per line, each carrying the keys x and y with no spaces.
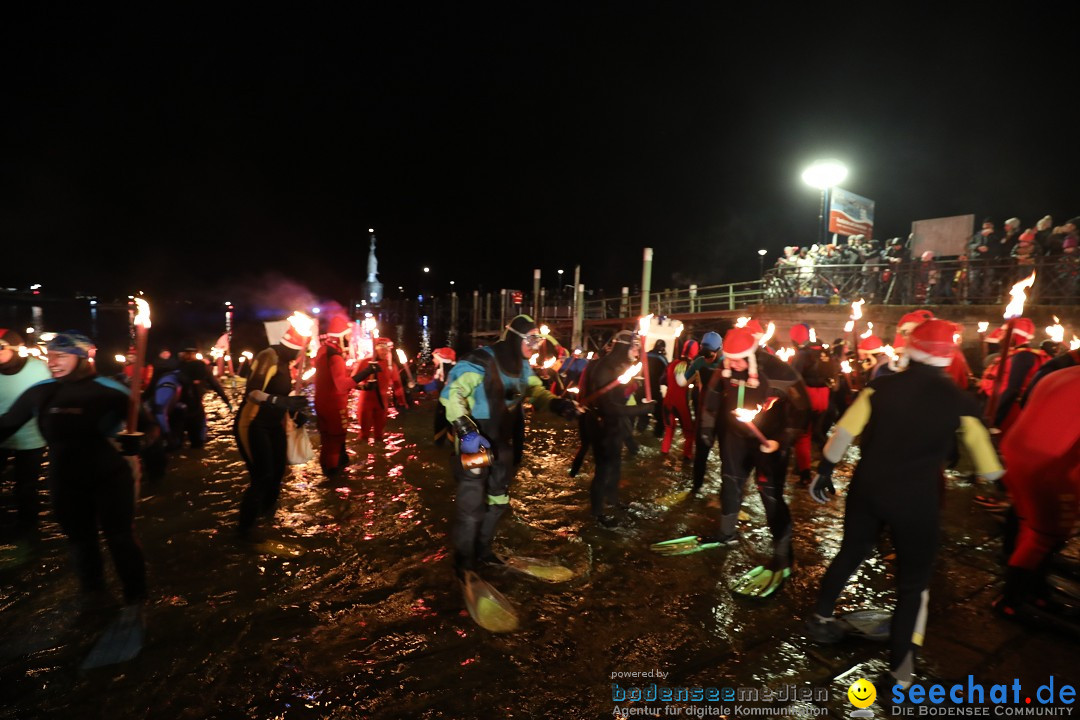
{"x":711,"y":342}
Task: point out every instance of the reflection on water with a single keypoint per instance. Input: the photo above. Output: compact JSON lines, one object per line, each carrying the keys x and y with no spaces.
{"x":346,"y":606}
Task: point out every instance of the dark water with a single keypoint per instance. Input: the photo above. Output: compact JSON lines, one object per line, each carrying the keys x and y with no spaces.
{"x":346,"y":606}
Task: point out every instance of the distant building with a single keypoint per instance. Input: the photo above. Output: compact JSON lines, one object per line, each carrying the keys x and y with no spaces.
{"x":373,"y":289}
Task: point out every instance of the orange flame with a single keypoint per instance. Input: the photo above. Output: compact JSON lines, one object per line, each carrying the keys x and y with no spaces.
{"x":142,"y":315}
{"x":1015,"y":308}
{"x":401,"y":357}
{"x":769,"y":331}
{"x":869,"y":331}
{"x":632,"y":371}
{"x":1056,"y":331}
{"x":983,"y":326}
{"x":849,"y":326}
{"x":741,"y":322}
{"x":746,"y":415}
{"x":301,"y":323}
{"x":308,"y":374}
{"x":785,"y":353}
{"x":856,"y":309}
{"x":550,"y":362}
{"x":1075,"y":344}
{"x":845,"y":366}
{"x":644,"y":323}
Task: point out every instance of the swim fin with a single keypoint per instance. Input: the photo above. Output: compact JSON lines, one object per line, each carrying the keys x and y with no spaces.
{"x":760,"y":582}
{"x":686,"y":545}
{"x":487,"y":606}
{"x":868,"y":624}
{"x":120,"y":642}
{"x":542,"y":569}
{"x":673,"y":498}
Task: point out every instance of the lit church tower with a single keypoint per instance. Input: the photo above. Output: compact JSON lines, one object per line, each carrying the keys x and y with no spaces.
{"x":373,"y":289}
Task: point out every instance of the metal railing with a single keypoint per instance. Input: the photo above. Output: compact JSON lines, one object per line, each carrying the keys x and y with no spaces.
{"x":914,"y":282}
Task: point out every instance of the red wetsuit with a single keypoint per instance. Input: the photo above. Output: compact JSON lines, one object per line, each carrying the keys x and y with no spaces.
{"x":1042,"y":467}
{"x":332,"y":387}
{"x":378,"y":394}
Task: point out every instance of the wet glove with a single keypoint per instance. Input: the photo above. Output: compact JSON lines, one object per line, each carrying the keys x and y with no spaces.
{"x":564,"y":408}
{"x":821,"y":489}
{"x":469,"y":435}
{"x":292,"y":403}
{"x":367,"y":372}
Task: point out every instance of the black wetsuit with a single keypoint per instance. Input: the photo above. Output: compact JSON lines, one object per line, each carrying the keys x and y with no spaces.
{"x":197,"y":380}
{"x":740,"y":449}
{"x":604,"y":425}
{"x":260,"y":434}
{"x":90,"y":482}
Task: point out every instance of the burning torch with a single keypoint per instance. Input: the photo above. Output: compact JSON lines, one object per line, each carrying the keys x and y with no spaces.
{"x":746,"y":416}
{"x":405,"y":364}
{"x":1013,"y":310}
{"x":982,"y":343}
{"x":621,"y":380}
{"x":643,"y":329}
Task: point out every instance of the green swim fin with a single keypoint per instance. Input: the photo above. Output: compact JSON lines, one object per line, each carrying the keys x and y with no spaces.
{"x":760,"y":582}
{"x":487,"y":606}
{"x":686,"y":545}
{"x":673,"y":498}
{"x":120,"y":642}
{"x":536,"y":568}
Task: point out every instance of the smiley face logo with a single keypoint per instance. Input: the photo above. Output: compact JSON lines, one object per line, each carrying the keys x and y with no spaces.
{"x":861,"y":693}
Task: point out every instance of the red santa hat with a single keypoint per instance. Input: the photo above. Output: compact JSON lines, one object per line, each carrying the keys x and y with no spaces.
{"x":336,"y":329}
{"x":995,"y":335}
{"x":444,"y":354}
{"x":800,"y":333}
{"x":1023,"y":331}
{"x":931,"y":343}
{"x":912,"y":319}
{"x":741,"y":343}
{"x":898,"y":341}
{"x":754,"y":327}
{"x":293,"y":339}
{"x":871,"y":345}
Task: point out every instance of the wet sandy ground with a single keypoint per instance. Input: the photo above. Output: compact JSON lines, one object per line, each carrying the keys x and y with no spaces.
{"x":346,"y":606}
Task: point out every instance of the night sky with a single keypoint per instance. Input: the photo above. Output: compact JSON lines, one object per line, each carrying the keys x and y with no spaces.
{"x":193,"y":150}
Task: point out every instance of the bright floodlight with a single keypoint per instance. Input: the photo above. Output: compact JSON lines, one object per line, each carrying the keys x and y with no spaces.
{"x":427,"y":269}
{"x":762,"y":253}
{"x":825,"y":174}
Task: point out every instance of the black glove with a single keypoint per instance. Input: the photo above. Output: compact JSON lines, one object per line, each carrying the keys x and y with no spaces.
{"x":130,"y":443}
{"x":564,"y":408}
{"x":292,"y":403}
{"x":821,"y":488}
{"x":300,"y":419}
{"x":367,"y":372}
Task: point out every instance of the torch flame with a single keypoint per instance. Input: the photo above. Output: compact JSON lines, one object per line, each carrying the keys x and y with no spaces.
{"x":120,"y":358}
{"x":983,"y":326}
{"x":785,"y":353}
{"x":545,"y":330}
{"x":849,"y":326}
{"x":573,"y":390}
{"x":643,"y":324}
{"x":308,"y":374}
{"x":142,"y":315}
{"x":856,"y":309}
{"x":630,"y":373}
{"x":1075,"y":344}
{"x":746,"y":415}
{"x":550,"y":362}
{"x":589,"y":356}
{"x":300,"y":322}
{"x":1056,"y":331}
{"x":401,"y":357}
{"x":845,"y":366}
{"x":813,"y":335}
{"x":869,"y":331}
{"x":741,"y":322}
{"x":1015,"y":308}
{"x":888,"y":350}
{"x":534,"y":359}
{"x":247,"y":354}
{"x":769,"y":331}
